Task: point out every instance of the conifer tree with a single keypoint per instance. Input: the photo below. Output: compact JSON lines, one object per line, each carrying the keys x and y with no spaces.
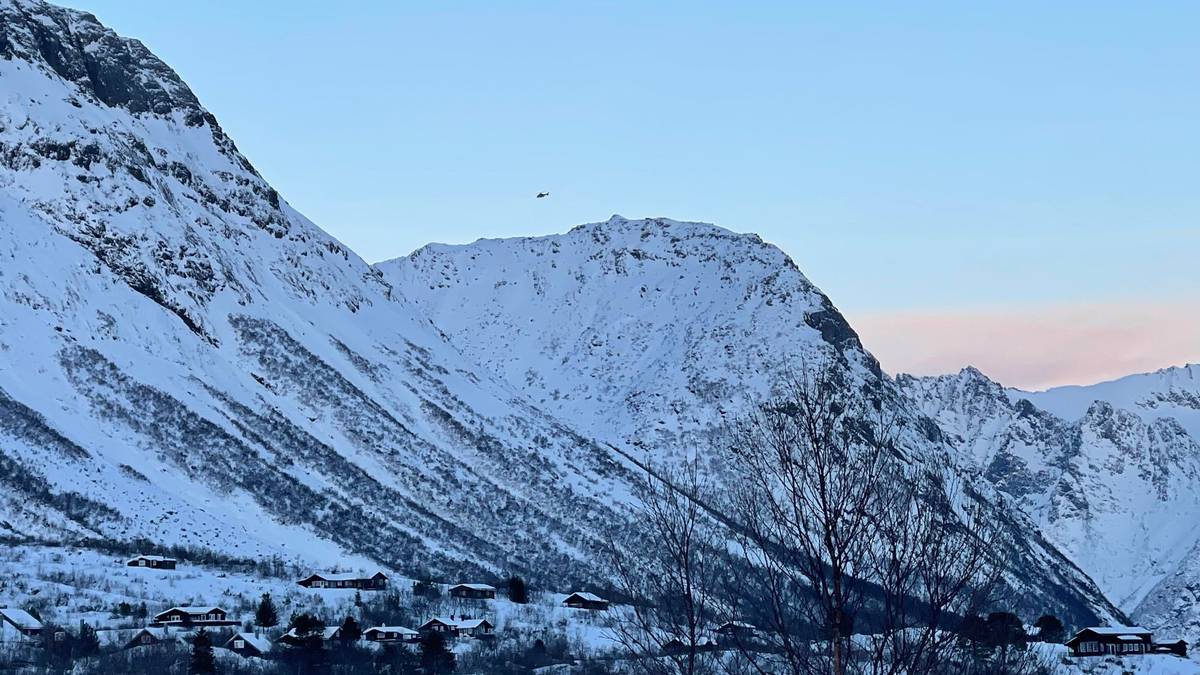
{"x":266,"y":616}
{"x":517,"y":591}
{"x":203,"y":662}
{"x":351,"y":631}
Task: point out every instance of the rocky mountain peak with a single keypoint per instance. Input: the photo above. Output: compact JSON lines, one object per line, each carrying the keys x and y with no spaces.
{"x":116,"y":71}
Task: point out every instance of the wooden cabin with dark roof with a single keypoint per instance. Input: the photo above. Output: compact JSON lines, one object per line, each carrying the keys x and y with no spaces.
{"x":1111,"y":640}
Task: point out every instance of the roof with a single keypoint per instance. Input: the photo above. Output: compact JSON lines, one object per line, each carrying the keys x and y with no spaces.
{"x":1125,"y":633}
{"x":590,"y":597}
{"x":327,"y":634}
{"x":20,"y":618}
{"x":164,"y":633}
{"x":159,"y":558}
{"x":192,"y":609}
{"x":342,"y":576}
{"x":1116,"y":630}
{"x":737,"y":624}
{"x":441,"y":619}
{"x":473,"y":623}
{"x":258,"y":642}
{"x":474,"y":587}
{"x":391,"y":629}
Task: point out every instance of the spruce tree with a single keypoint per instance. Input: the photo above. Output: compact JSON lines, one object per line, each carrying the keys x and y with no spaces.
{"x":435,"y":657}
{"x":87,"y":643}
{"x":351,"y":631}
{"x":266,"y":616}
{"x":203,"y":662}
{"x":517,"y":591}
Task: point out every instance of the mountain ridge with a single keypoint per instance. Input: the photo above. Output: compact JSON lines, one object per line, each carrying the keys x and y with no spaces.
{"x":1113,"y":485}
{"x":189,"y":360}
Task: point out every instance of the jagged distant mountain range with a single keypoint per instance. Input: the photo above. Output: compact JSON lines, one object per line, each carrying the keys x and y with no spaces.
{"x":1110,"y":472}
{"x":187,"y":359}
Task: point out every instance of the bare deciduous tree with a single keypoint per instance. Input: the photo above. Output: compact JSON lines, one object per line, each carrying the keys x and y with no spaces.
{"x":667,"y":628}
{"x":810,"y":471}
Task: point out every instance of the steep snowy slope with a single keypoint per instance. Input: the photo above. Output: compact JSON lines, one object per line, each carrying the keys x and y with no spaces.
{"x":651,"y":333}
{"x":1118,"y":491}
{"x":185,"y":358}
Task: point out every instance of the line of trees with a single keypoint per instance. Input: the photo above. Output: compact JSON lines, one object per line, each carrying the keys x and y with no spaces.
{"x":848,"y":557}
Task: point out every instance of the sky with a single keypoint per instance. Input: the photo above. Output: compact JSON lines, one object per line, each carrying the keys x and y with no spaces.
{"x":1011,"y":185}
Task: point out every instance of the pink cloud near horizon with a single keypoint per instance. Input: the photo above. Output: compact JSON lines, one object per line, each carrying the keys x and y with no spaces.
{"x":1036,"y":348}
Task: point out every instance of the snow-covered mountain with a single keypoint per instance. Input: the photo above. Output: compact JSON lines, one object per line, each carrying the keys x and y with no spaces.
{"x":1170,"y":392}
{"x":645,"y":332}
{"x":185,"y":358}
{"x":650,"y":334}
{"x":1110,"y":473}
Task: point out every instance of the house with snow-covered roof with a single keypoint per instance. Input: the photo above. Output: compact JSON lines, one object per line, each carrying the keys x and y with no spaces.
{"x":17,"y":625}
{"x":154,"y":635}
{"x":188,"y":615}
{"x":473,"y":591}
{"x":249,"y":644}
{"x":155,"y":562}
{"x":292,"y":638}
{"x":735,"y":632}
{"x":374,"y":582}
{"x":1104,"y":640}
{"x":583,"y":600}
{"x":440,"y":624}
{"x":481,"y":629}
{"x":390,"y":634}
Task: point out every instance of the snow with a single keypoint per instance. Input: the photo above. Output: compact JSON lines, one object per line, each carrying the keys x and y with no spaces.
{"x":341,"y":576}
{"x":20,"y":618}
{"x":1170,"y":392}
{"x":1113,"y":486}
{"x":260,"y":643}
{"x":1117,"y":630}
{"x":300,"y":396}
{"x":186,"y":359}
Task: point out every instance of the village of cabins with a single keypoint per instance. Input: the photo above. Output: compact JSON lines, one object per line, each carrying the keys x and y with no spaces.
{"x":179,"y":623}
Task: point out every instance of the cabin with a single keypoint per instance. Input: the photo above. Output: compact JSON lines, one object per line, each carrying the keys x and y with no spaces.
{"x":674,"y":646}
{"x":1106,"y":640}
{"x":19,"y":625}
{"x":154,"y":562}
{"x":375,"y":582}
{"x":294,"y":639}
{"x":193,"y":616}
{"x":473,"y":591}
{"x":735,"y":633}
{"x":390,"y":634}
{"x":581,"y":600}
{"x":1176,"y":647}
{"x":146,"y":637}
{"x":480,"y":629}
{"x":445,"y":626}
{"x":249,"y":644}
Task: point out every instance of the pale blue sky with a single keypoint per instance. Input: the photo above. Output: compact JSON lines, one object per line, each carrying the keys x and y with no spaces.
{"x":909,"y":156}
